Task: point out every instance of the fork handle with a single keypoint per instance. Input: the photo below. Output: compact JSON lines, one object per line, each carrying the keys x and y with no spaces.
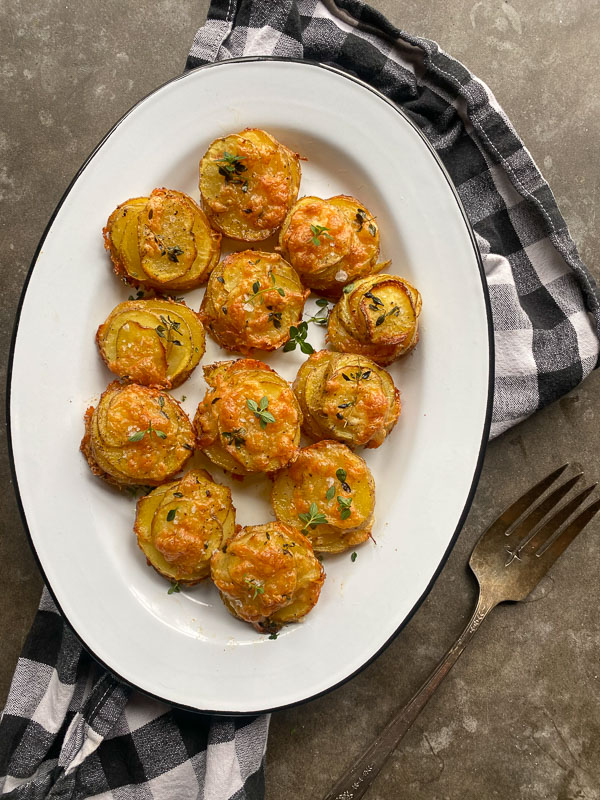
{"x":357,"y":780}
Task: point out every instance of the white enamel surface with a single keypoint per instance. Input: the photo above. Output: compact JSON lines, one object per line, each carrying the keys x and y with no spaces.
{"x":185,"y":647}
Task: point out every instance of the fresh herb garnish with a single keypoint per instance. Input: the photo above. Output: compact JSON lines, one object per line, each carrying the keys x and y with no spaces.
{"x":235,"y":437}
{"x":344,"y":504}
{"x":275,"y":318}
{"x":317,"y":231}
{"x":231,"y":167}
{"x":139,"y":294}
{"x":161,"y":403}
{"x":273,"y":636}
{"x":258,"y":587}
{"x":139,"y":435}
{"x":172,"y":512}
{"x":330,"y":493}
{"x":177,"y":494}
{"x":173,"y":252}
{"x":361,"y":217}
{"x":322,"y":314}
{"x":167,"y":330}
{"x":260,"y":411}
{"x":353,"y":557}
{"x":357,"y":377}
{"x":348,"y":288}
{"x":174,"y":587}
{"x":257,"y":291}
{"x":340,"y":474}
{"x":393,"y":312}
{"x":312,"y":518}
{"x":298,"y":337}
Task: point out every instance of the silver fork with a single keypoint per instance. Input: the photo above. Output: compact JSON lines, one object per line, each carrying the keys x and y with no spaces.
{"x":509,"y":560}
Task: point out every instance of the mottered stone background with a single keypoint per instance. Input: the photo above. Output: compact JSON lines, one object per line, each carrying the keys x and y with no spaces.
{"x":519,"y":716}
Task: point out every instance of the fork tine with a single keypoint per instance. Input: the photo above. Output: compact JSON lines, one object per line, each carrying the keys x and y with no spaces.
{"x":542,"y":535}
{"x":528,"y":524}
{"x":520,"y":506}
{"x":550,"y":551}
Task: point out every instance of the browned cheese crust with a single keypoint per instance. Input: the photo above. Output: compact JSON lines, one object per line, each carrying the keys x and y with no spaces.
{"x":136,"y":436}
{"x":179,"y":525}
{"x":153,"y":342}
{"x":330,"y":243}
{"x":248,"y":183}
{"x":346,"y":397}
{"x":268,"y":575}
{"x":251,"y":300}
{"x":377,"y":317}
{"x":163,"y":241}
{"x":238,"y":438}
{"x":337,"y":486}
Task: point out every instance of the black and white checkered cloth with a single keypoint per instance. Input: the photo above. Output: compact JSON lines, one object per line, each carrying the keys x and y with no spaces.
{"x":70,"y":730}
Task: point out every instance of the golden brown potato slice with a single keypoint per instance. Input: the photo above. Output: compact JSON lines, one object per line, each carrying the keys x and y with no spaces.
{"x":180,"y":525}
{"x":328,"y":493}
{"x":163,"y":241}
{"x":346,"y":397}
{"x":377,"y":317}
{"x":251,"y":300}
{"x":139,"y":355}
{"x":249,"y":420}
{"x":330,"y":242}
{"x":248,"y":183}
{"x":267,"y":575}
{"x":165,"y":236}
{"x":136,"y":435}
{"x":154,"y":342}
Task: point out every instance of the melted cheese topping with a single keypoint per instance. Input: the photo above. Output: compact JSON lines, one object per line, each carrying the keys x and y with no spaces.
{"x":265,"y":569}
{"x":299,"y":240}
{"x":243,"y":319}
{"x":127,"y":411}
{"x":224,"y":418}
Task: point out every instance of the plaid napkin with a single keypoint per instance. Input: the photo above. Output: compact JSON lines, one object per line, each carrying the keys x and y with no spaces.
{"x":70,"y":729}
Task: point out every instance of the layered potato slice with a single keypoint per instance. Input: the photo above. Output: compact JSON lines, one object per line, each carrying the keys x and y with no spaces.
{"x":251,"y":300}
{"x":328,"y":493}
{"x":179,"y":525}
{"x":378,"y":317}
{"x":267,"y":575}
{"x":154,"y":342}
{"x":330,"y":242}
{"x":346,"y":397}
{"x":249,"y":420}
{"x":248,"y":183}
{"x":136,"y":436}
{"x":163,"y":241}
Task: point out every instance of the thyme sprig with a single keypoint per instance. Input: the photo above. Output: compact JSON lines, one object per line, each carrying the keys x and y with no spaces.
{"x":393,"y":312}
{"x":255,"y":585}
{"x":231,"y":168}
{"x":260,"y":411}
{"x":257,"y":291}
{"x":322,"y":315}
{"x":235,"y":437}
{"x":298,"y":338}
{"x":312,"y":518}
{"x":139,"y":435}
{"x":318,"y":231}
{"x":361,"y":218}
{"x":344,"y":504}
{"x":167,"y":330}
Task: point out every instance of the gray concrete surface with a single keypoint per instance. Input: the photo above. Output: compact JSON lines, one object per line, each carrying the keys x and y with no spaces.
{"x":519,"y":716}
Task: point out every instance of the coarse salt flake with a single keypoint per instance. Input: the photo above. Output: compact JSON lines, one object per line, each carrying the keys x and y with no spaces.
{"x":341,"y":275}
{"x":248,"y":307}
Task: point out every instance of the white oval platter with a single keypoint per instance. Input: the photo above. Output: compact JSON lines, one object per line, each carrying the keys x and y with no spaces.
{"x":185,"y":648}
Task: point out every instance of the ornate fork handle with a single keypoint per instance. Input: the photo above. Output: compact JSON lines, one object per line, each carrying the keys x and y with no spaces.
{"x":354,"y":783}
